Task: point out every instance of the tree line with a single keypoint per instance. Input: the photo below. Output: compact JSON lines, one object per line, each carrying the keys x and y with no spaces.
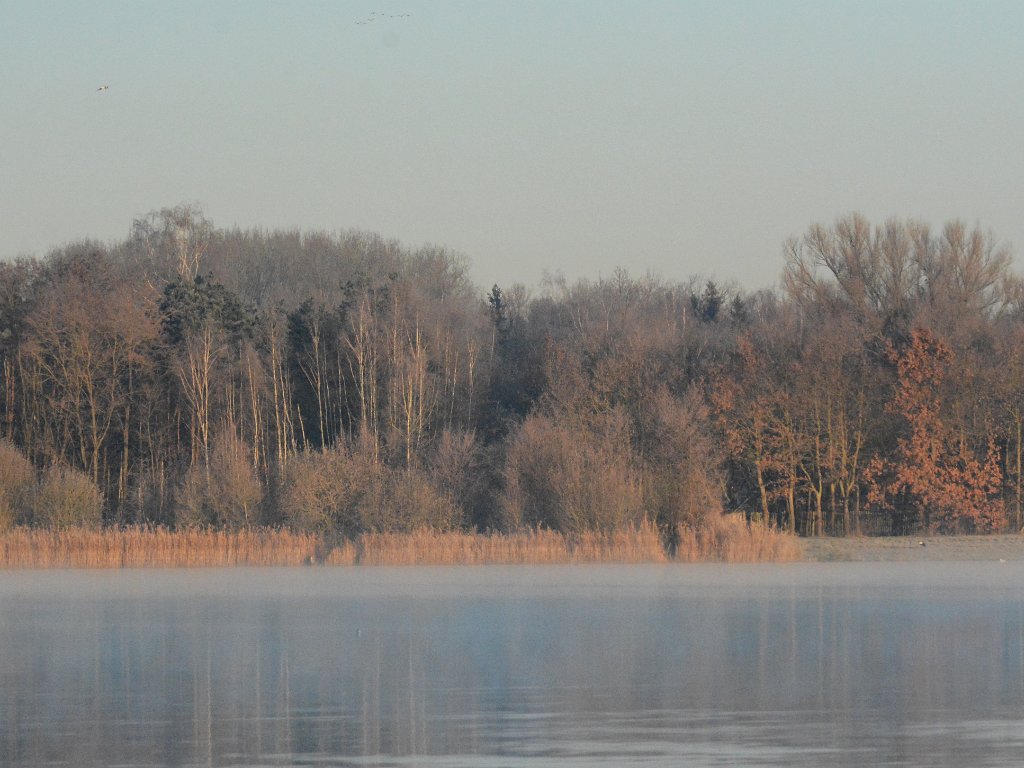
{"x":342,"y":383}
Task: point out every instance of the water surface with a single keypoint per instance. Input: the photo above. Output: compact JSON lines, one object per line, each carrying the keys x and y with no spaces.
{"x":849,"y":664}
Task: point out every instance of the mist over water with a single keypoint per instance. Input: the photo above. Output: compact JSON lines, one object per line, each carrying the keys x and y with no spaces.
{"x":909,"y":664}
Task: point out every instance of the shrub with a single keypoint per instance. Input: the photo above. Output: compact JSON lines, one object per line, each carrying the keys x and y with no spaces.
{"x":321,"y":492}
{"x":683,"y":478}
{"x":412,"y":502}
{"x":226,"y":493}
{"x":66,"y":498}
{"x":461,"y":469}
{"x":17,"y":485}
{"x":348,"y":491}
{"x":572,"y":477}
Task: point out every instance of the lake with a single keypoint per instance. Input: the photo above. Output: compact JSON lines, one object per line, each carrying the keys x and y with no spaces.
{"x":807,"y":664}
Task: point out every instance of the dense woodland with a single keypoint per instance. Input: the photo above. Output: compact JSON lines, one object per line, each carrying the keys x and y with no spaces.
{"x":193,"y":376}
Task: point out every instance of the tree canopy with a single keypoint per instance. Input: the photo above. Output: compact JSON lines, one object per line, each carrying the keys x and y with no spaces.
{"x":202,"y":376}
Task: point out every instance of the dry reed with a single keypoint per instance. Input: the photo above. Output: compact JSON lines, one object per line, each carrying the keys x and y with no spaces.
{"x":628,"y":545}
{"x":732,"y":539}
{"x":345,"y":553}
{"x":729,"y":539}
{"x":429,"y":547}
{"x":154,"y":548}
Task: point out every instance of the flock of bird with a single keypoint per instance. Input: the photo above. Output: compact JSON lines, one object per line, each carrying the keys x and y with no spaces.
{"x":374,"y":16}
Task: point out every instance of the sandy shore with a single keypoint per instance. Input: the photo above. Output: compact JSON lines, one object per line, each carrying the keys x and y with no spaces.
{"x":1007,"y":547}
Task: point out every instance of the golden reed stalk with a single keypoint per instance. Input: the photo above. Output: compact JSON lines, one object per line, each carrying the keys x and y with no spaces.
{"x":732,"y":539}
{"x":430,"y":547}
{"x":154,"y":548}
{"x":726,"y":540}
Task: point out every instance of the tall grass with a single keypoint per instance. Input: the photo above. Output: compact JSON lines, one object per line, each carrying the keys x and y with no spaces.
{"x":430,"y":547}
{"x":728,"y":539}
{"x":154,"y":548}
{"x":640,"y":544}
{"x":732,"y":539}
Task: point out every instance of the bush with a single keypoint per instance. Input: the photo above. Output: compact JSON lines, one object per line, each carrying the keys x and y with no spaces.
{"x":460,"y":469}
{"x":224,"y":494}
{"x":17,"y":485}
{"x":412,"y":502}
{"x":682,"y":469}
{"x":572,"y":478}
{"x":66,"y":498}
{"x":348,"y":491}
{"x":322,"y":491}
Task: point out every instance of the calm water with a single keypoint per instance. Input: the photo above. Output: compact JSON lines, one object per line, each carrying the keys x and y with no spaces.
{"x":912,"y":664}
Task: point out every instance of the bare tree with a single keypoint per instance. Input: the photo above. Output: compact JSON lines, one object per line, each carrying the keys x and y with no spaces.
{"x":173,"y":242}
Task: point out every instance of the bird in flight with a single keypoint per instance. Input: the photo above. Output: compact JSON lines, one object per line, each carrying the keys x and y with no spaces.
{"x":103,"y":88}
{"x":374,"y":16}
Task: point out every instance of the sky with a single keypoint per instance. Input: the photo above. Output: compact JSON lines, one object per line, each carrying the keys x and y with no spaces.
{"x":572,"y":138}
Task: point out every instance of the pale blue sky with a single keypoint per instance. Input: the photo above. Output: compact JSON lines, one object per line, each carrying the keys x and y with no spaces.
{"x":678,"y":138}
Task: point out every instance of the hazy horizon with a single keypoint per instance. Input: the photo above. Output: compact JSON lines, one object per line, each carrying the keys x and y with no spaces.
{"x":675,"y":138}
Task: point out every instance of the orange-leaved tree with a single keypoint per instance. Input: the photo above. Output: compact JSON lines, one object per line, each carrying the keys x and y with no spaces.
{"x":934,"y":479}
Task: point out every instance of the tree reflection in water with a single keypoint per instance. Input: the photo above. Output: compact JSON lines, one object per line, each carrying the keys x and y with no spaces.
{"x":804,"y":665}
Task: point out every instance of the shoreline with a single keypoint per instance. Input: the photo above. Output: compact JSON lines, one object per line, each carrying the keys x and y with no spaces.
{"x":729,"y":541}
{"x":726,"y":540}
{"x":871,"y":549}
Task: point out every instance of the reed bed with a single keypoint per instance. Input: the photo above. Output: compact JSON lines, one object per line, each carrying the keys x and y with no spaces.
{"x":154,"y":548}
{"x":642,"y":544}
{"x":732,"y":539}
{"x":430,"y":547}
{"x":536,"y":547}
{"x":345,"y":553}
